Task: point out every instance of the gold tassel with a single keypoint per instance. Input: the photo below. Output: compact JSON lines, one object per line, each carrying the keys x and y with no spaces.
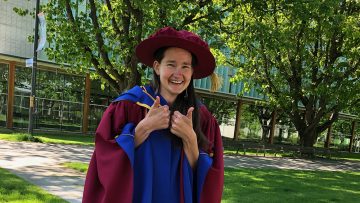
{"x":216,"y":82}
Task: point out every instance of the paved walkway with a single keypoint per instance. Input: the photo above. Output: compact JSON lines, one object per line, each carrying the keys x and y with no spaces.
{"x":41,"y":164}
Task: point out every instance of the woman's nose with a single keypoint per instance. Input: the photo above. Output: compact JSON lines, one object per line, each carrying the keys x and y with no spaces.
{"x":178,"y":71}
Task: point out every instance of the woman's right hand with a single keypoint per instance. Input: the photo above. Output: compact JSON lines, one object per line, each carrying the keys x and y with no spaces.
{"x":157,"y":118}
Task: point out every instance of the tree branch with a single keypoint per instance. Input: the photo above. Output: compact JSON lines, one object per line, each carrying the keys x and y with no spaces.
{"x":113,"y":20}
{"x":87,"y":49}
{"x":190,"y":18}
{"x":100,"y":42}
{"x":136,"y":12}
{"x":327,"y":123}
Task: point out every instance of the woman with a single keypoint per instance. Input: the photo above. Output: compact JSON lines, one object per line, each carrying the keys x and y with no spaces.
{"x":157,"y":143}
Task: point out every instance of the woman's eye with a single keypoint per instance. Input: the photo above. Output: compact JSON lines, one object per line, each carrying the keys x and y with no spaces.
{"x":171,"y":65}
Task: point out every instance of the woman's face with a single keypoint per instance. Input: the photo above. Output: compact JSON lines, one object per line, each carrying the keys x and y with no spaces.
{"x":175,"y":72}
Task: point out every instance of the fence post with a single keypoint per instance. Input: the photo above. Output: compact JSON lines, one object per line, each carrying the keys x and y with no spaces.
{"x":10,"y":99}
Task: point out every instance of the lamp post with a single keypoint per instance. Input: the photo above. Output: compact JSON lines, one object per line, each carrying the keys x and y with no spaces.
{"x":33,"y":71}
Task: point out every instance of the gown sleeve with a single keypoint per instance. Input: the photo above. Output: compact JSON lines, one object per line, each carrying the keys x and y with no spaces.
{"x":111,"y":163}
{"x":213,"y":186}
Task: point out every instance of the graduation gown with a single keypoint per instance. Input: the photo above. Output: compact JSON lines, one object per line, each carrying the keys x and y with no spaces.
{"x":157,"y":170}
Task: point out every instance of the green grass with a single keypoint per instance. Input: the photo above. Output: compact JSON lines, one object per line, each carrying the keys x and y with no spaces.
{"x":346,"y":156}
{"x":14,"y":189}
{"x":50,"y":138}
{"x":67,"y":139}
{"x":78,"y":166}
{"x":275,"y":185}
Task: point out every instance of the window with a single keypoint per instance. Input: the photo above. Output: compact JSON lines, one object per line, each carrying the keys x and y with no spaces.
{"x":4,"y":68}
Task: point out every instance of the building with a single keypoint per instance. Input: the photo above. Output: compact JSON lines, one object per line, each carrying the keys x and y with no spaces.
{"x":63,"y":100}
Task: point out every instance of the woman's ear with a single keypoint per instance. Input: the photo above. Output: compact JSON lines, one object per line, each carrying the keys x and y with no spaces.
{"x":156,"y":66}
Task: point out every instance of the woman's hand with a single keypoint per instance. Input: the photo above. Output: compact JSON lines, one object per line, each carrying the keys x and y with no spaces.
{"x":182,"y":127}
{"x":157,"y":118}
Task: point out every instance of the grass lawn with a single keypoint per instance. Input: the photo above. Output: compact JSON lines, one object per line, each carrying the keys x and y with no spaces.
{"x":66,"y":139}
{"x":49,"y":138}
{"x":14,"y":189}
{"x":79,"y":166}
{"x":275,"y":185}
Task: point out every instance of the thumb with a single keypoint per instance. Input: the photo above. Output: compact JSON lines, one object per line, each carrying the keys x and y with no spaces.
{"x":156,"y":103}
{"x":190,"y":112}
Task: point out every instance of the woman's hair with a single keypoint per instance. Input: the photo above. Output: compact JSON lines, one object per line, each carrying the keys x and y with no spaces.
{"x":183,"y":101}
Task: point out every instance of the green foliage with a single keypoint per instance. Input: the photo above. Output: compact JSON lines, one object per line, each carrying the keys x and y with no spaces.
{"x":27,"y":137}
{"x":250,"y":122}
{"x":298,"y":53}
{"x":301,"y":53}
{"x":21,"y":12}
{"x":223,"y":111}
{"x":103,"y":36}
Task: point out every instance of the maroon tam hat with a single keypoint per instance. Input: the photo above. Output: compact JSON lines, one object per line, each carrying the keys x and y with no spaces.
{"x":169,"y":37}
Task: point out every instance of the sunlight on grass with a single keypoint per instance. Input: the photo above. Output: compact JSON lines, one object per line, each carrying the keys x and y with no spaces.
{"x":14,"y":189}
{"x":275,"y":185}
{"x":47,"y":138}
{"x":67,"y":139}
{"x":79,"y":166}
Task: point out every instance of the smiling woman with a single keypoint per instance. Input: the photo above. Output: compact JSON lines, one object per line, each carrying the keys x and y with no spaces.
{"x":175,"y":70}
{"x":158,"y":143}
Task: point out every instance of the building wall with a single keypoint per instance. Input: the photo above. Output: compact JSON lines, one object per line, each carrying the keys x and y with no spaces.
{"x":15,"y":29}
{"x":55,"y":110}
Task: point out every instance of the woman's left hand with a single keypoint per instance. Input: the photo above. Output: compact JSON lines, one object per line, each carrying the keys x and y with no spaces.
{"x":182,"y":126}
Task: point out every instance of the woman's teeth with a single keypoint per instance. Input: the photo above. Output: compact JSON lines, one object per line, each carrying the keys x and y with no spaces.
{"x":176,"y":81}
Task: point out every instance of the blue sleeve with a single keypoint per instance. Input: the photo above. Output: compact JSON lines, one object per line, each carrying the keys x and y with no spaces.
{"x":126,"y":141}
{"x":203,"y":165}
{"x":196,"y":177}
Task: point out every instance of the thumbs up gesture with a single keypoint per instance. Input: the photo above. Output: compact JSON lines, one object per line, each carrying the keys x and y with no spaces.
{"x":182,"y":126}
{"x":158,"y":116}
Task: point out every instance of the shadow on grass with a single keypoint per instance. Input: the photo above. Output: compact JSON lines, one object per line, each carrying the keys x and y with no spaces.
{"x":275,"y":185}
{"x":14,"y":189}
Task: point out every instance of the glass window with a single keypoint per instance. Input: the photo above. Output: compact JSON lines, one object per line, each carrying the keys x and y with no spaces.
{"x":99,"y":100}
{"x":21,"y":100}
{"x":4,"y":68}
{"x":60,"y":101}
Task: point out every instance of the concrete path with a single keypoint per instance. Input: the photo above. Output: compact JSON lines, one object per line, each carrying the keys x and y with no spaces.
{"x":41,"y":164}
{"x":291,"y":163}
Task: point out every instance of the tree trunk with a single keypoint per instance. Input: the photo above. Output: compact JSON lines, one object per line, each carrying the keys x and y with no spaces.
{"x":265,"y":132}
{"x":308,"y":137}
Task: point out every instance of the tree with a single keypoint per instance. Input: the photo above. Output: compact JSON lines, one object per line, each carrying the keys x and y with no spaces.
{"x":222,"y":110}
{"x":103,"y":34}
{"x":303,"y":54}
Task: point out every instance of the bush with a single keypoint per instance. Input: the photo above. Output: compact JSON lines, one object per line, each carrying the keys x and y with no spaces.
{"x":27,"y":137}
